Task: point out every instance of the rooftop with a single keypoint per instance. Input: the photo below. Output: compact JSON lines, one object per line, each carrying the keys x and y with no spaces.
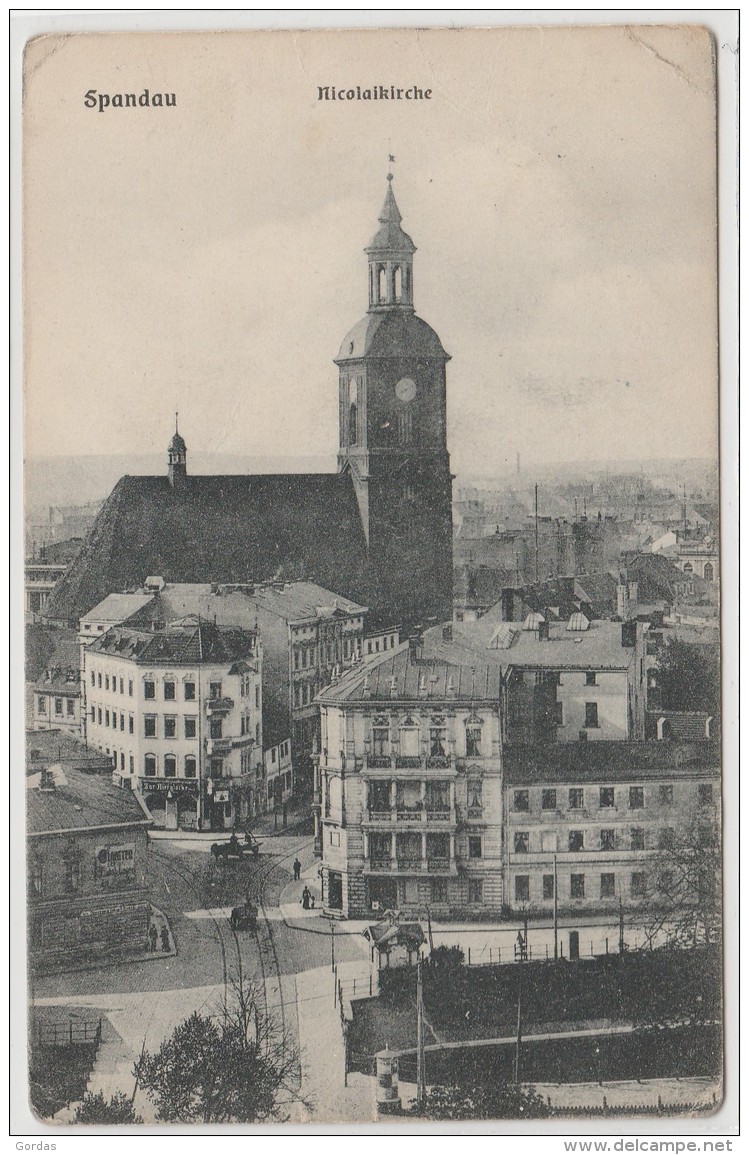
{"x":117,"y":608}
{"x":598,"y":647}
{"x":44,"y":747}
{"x":188,"y":642}
{"x":578,"y":762}
{"x":79,"y":801}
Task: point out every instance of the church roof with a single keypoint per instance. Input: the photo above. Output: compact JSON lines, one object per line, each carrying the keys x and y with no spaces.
{"x":218,"y":529}
{"x":391,"y":333}
{"x":390,"y":235}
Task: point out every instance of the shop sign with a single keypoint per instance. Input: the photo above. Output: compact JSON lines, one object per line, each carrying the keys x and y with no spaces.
{"x":220,"y":795}
{"x":116,"y":859}
{"x":157,"y":786}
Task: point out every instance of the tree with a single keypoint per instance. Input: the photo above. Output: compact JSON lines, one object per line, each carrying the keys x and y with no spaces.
{"x":496,"y":1101}
{"x":226,"y":1068}
{"x":689,"y":677}
{"x":96,"y":1109}
{"x":684,"y":897}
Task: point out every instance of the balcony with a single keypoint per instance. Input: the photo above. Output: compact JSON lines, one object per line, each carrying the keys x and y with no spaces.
{"x":410,"y":814}
{"x":443,"y":818}
{"x":378,"y":761}
{"x":475,"y":813}
{"x":219,"y":706}
{"x":441,"y":814}
{"x":382,"y":765}
{"x":410,"y":866}
{"x":408,"y":762}
{"x":380,"y":816}
{"x":440,"y":866}
{"x":218,"y":745}
{"x":438,"y":762}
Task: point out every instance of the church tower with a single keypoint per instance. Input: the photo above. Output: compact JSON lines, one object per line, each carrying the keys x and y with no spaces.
{"x":393,"y":435}
{"x":177,"y":458}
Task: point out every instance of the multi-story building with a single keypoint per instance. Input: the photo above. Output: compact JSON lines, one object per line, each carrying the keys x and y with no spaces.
{"x":572,"y":681}
{"x":40,"y":579}
{"x":87,"y":852}
{"x":56,"y":700}
{"x":409,"y":785}
{"x":606,"y":822}
{"x":179,"y":711}
{"x":278,"y":774}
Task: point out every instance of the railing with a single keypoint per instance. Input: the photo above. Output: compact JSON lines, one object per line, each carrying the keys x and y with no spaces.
{"x":68,"y":1034}
{"x":378,"y":761}
{"x":219,"y":705}
{"x":475,"y":812}
{"x":438,"y":864}
{"x":411,"y":864}
{"x":408,"y":815}
{"x":442,"y":814}
{"x":379,"y":863}
{"x":380,"y":815}
{"x":407,"y":762}
{"x":438,"y":761}
{"x":219,"y":745}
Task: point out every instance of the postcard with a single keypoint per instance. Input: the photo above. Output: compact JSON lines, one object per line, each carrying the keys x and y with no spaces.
{"x":372,"y":571}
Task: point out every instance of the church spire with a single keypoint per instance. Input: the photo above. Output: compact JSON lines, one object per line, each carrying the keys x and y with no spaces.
{"x":390,"y":254}
{"x":177,"y":456}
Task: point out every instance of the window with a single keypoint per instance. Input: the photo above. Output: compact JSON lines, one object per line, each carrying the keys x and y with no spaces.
{"x":217,"y":767}
{"x":591,"y":715}
{"x":577,"y":798}
{"x":439,"y":890}
{"x":106,"y":718}
{"x":437,"y":738}
{"x":170,"y":691}
{"x":577,"y":886}
{"x":522,"y":888}
{"x":98,"y":680}
{"x":606,"y":797}
{"x":217,"y":728}
{"x":170,"y":726}
{"x":132,"y":764}
{"x":705,"y":793}
{"x":122,"y":761}
{"x":636,"y":797}
{"x":93,"y":678}
{"x":215,"y":690}
{"x":122,"y":685}
{"x":475,"y":890}
{"x":191,"y":727}
{"x":36,"y":878}
{"x":475,"y":797}
{"x":473,"y":741}
{"x":558,"y":713}
{"x":608,"y":840}
{"x":257,"y":697}
{"x":547,"y":887}
{"x":93,"y":713}
{"x":380,"y":737}
{"x":607,"y":886}
{"x":666,"y":795}
{"x":521,"y":841}
{"x":149,"y":725}
{"x":122,"y":722}
{"x":98,"y":714}
{"x":130,"y":688}
{"x":665,"y":881}
{"x":638,"y":884}
{"x":521,"y":800}
{"x":576,"y":841}
{"x":106,"y":681}
{"x":637,"y":838}
{"x":42,"y":704}
{"x":170,"y":766}
{"x":666,"y":838}
{"x":58,"y":707}
{"x":189,"y":691}
{"x":131,"y":725}
{"x":191,"y":766}
{"x":548,"y":799}
{"x":590,"y":678}
{"x":70,"y":706}
{"x":474,"y":846}
{"x":257,"y":733}
{"x":149,"y":689}
{"x":150,"y":765}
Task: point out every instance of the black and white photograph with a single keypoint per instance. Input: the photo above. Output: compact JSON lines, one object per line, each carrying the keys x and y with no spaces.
{"x":372,"y":542}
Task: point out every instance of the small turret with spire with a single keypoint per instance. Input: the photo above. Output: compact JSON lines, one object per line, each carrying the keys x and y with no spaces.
{"x":390,"y":254}
{"x":177,"y":457}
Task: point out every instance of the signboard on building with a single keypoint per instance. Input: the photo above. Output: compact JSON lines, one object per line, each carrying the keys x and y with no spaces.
{"x":115,"y":859}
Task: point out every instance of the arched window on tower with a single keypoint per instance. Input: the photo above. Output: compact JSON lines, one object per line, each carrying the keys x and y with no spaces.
{"x":405,"y":427}
{"x":353,"y":411}
{"x":709,"y":573}
{"x":397,"y":283}
{"x":382,"y":289}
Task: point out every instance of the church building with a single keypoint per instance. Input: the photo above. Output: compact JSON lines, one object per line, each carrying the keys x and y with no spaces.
{"x":379,"y":531}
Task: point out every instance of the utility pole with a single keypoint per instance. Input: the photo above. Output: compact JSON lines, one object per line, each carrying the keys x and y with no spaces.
{"x":621,"y":926}
{"x":536,"y":530}
{"x":556,"y":913}
{"x":421,"y":1083}
{"x":518,"y":1037}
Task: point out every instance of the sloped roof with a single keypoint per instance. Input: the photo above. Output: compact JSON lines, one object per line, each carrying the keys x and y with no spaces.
{"x":608,"y":761}
{"x":117,"y":608}
{"x":44,"y":747}
{"x":432,"y":677}
{"x":81,"y":801}
{"x":214,"y":528}
{"x":391,"y":333}
{"x":183,"y":644}
{"x":292,"y":601}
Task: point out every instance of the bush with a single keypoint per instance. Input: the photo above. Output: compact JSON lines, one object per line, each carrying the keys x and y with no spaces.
{"x":501,"y":1101}
{"x":96,"y":1109}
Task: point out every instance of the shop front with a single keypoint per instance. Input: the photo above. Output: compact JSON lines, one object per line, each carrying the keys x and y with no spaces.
{"x":174,"y":805}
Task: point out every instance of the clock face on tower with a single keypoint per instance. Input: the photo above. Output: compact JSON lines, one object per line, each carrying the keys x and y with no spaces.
{"x":405,"y":390}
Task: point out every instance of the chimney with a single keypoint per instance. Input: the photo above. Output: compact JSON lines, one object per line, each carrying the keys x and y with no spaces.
{"x":415,"y":647}
{"x":622,"y":597}
{"x":447,"y":632}
{"x":543,"y":631}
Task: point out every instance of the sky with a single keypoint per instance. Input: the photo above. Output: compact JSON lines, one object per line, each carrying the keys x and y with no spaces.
{"x":559,"y":187}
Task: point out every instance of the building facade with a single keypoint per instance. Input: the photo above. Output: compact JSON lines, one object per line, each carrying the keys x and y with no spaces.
{"x":179,"y":711}
{"x":87,"y":864}
{"x":410,"y":787}
{"x":56,"y":701}
{"x":608,"y":825}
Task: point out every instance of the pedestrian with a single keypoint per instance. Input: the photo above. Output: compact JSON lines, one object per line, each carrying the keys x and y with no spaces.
{"x":306,"y":896}
{"x":297,"y":870}
{"x":165,"y":944}
{"x":153,"y":935}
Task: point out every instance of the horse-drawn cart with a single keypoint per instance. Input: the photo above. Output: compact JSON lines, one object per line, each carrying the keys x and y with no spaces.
{"x":236,"y":849}
{"x":244,"y":917}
